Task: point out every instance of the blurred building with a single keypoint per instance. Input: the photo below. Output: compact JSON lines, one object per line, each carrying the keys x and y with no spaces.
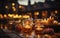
{"x":12,"y":6}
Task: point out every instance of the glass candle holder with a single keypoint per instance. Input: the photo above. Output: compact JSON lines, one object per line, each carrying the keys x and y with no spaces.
{"x":27,"y":26}
{"x":38,"y":27}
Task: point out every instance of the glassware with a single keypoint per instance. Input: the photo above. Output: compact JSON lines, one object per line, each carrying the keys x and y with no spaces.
{"x":27,"y":27}
{"x":38,"y":27}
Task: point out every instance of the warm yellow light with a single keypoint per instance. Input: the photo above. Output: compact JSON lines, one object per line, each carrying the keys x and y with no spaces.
{"x":59,"y":23}
{"x":6,"y":6}
{"x":36,"y":13}
{"x":44,"y":13}
{"x":20,"y":6}
{"x":5,"y":15}
{"x":27,"y":26}
{"x":37,"y":22}
{"x":19,"y":21}
{"x":45,"y":21}
{"x":51,"y":18}
{"x":39,"y":28}
{"x":14,"y":9}
{"x":56,"y":11}
{"x":6,"y":27}
{"x":16,"y":16}
{"x":13,"y":4}
{"x":46,"y":35}
{"x":39,"y":36}
{"x":1,"y":16}
{"x":10,"y":15}
{"x":55,"y":22}
{"x":11,"y":23}
{"x":20,"y":16}
{"x":26,"y":16}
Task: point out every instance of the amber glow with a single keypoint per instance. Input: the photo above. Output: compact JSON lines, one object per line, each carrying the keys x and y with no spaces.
{"x":27,"y":26}
{"x":14,"y":9}
{"x":13,"y":4}
{"x":47,"y":36}
{"x":10,"y":15}
{"x":1,"y":27}
{"x":44,"y":13}
{"x":26,"y":16}
{"x":39,"y":28}
{"x":1,"y":16}
{"x":19,"y":21}
{"x":38,"y":24}
{"x":20,"y":16}
{"x":15,"y":16}
{"x":6,"y":6}
{"x":51,"y":18}
{"x":55,"y":22}
{"x":38,"y":36}
{"x":47,"y":21}
{"x":36,"y":13}
{"x":59,"y":23}
{"x":5,"y":27}
{"x":5,"y":15}
{"x":20,"y":6}
{"x":44,"y":21}
{"x":56,"y":11}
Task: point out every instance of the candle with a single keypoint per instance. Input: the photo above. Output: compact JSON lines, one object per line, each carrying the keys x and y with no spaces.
{"x":27,"y":26}
{"x":44,"y":21}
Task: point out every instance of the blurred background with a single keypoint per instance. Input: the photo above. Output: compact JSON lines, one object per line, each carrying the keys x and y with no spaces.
{"x":30,"y":18}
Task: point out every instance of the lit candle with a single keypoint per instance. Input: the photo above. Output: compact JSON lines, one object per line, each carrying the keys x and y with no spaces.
{"x":38,"y":36}
{"x":44,"y":21}
{"x":27,"y":26}
{"x":55,"y":22}
{"x":50,"y":20}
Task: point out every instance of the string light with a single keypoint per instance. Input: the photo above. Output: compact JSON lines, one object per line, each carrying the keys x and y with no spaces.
{"x":13,"y":4}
